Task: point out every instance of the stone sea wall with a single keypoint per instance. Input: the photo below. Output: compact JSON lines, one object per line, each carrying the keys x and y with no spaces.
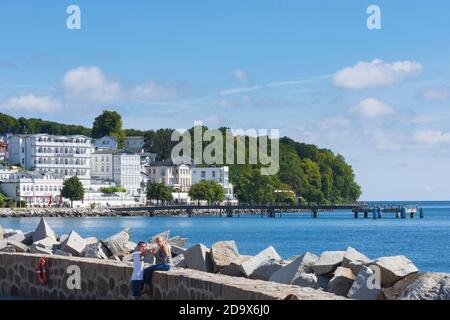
{"x":106,"y":279}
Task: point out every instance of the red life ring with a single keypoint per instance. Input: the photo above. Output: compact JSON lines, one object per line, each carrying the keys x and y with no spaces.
{"x":42,"y":271}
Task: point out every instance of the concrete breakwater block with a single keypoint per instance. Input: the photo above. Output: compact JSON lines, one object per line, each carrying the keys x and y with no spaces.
{"x":116,"y":244}
{"x":328,"y":262}
{"x":306,"y":280}
{"x":234,"y":268}
{"x":73,"y":244}
{"x":420,"y":286}
{"x":43,"y":231}
{"x":354,"y":259}
{"x":223,"y":253}
{"x":393,"y":269}
{"x":178,"y":241}
{"x":198,"y":257}
{"x":289,"y":273}
{"x":342,"y":281}
{"x":97,"y":251}
{"x":365,"y":286}
{"x":1,"y":233}
{"x":249,"y":266}
{"x":267,"y":269}
{"x":19,"y":246}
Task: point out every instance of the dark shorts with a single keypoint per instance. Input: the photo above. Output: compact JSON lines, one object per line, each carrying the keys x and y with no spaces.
{"x":136,"y":287}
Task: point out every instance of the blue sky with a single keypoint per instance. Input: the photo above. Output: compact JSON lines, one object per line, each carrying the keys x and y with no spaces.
{"x":312,"y":69}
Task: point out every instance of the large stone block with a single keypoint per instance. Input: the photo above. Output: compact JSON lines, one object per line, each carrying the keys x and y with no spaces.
{"x":14,"y":235}
{"x":179,"y":261}
{"x":73,"y":244}
{"x":19,"y":246}
{"x":249,"y":266}
{"x":234,"y":268}
{"x":342,"y":281}
{"x":393,"y":269}
{"x":176,"y":251}
{"x":290,"y":272}
{"x":62,"y":253}
{"x":3,"y":244}
{"x":116,"y":244}
{"x":353,"y":259}
{"x":306,"y":280}
{"x":43,"y":231}
{"x":178,"y":241}
{"x":427,"y":286}
{"x":1,"y":233}
{"x":130,"y":246}
{"x":164,"y":235}
{"x":328,"y":262}
{"x":223,"y":253}
{"x":198,"y":257}
{"x":96,"y":251}
{"x":365,"y":286}
{"x":267,"y":269}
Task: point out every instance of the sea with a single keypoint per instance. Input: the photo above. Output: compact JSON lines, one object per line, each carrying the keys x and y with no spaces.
{"x":426,"y":241}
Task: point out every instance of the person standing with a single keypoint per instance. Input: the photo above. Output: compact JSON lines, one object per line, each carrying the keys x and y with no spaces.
{"x":137,"y":278}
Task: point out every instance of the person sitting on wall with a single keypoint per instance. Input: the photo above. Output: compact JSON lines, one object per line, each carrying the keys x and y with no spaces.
{"x":137,"y":279}
{"x":164,"y":262}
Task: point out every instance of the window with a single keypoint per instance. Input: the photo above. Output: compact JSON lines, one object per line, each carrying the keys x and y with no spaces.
{"x":203,"y":174}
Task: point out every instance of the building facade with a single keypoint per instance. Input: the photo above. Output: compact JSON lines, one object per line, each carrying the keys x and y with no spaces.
{"x":64,"y":155}
{"x":217,"y":174}
{"x":35,"y":188}
{"x":134,"y":143}
{"x":174,"y":176}
{"x":107,"y":142}
{"x":127,"y":171}
{"x":102,"y":164}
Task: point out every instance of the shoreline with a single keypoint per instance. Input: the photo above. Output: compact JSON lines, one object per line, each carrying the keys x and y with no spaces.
{"x":110,"y":212}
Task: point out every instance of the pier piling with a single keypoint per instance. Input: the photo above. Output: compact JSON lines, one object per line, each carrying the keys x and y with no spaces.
{"x":374,"y":213}
{"x":403,"y":214}
{"x":421,"y":213}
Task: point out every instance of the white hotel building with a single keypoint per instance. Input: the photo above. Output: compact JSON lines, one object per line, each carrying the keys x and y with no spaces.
{"x":36,"y":188}
{"x":217,"y":174}
{"x":121,"y":167}
{"x":67,"y":156}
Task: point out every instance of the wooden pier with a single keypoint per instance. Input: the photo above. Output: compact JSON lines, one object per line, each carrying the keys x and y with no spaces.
{"x":273,"y":210}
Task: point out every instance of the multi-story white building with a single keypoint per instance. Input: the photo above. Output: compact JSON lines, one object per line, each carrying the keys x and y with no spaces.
{"x":36,"y":188}
{"x":106,"y":142}
{"x":127,"y":171}
{"x":174,"y":176}
{"x":217,"y":174}
{"x":64,"y":155}
{"x":102,"y":164}
{"x":121,"y":167}
{"x":134,"y":143}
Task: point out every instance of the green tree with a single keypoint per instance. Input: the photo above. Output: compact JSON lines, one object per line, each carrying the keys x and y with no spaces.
{"x":160,"y":142}
{"x":109,"y":123}
{"x":73,"y":190}
{"x":207,"y":190}
{"x":159,"y":192}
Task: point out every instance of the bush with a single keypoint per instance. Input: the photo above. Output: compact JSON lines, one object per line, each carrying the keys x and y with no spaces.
{"x":112,"y":190}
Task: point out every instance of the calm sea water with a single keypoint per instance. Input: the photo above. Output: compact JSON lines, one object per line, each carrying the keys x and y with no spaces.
{"x":425,"y":241}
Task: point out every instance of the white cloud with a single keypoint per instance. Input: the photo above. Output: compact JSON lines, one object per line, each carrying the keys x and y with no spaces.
{"x":151,"y":91}
{"x":432,"y":137}
{"x":240,"y":74}
{"x":90,"y":84}
{"x":240,"y":90}
{"x":30,"y":103}
{"x":376,"y":74}
{"x":439,"y":94}
{"x":371,"y":108}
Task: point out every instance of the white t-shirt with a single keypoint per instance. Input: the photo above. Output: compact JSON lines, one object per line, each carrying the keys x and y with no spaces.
{"x":138,"y":267}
